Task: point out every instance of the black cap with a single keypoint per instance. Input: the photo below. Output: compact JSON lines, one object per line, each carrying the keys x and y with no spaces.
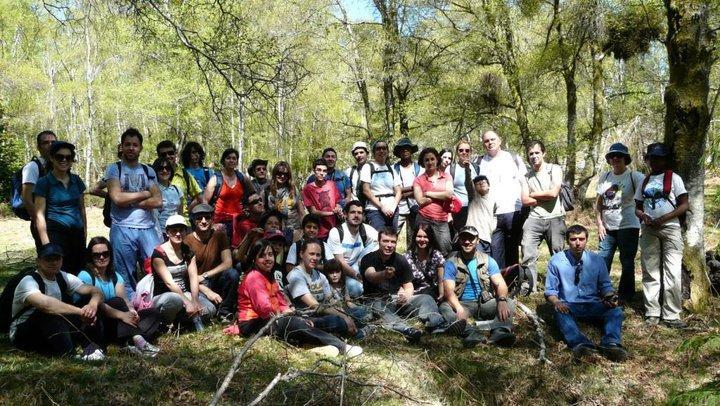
{"x":657,"y":149}
{"x":50,"y":249}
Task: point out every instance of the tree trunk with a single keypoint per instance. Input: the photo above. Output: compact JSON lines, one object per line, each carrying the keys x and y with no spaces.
{"x":389,"y":15}
{"x":89,"y":95}
{"x":509,"y":64}
{"x":571,"y":110}
{"x":690,"y":44}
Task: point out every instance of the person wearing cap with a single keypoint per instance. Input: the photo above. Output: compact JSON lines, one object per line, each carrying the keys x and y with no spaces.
{"x":339,"y":178}
{"x":322,"y":199}
{"x":359,"y":152}
{"x":578,"y":287}
{"x":381,"y":189}
{"x":661,"y":203}
{"x":407,"y":170}
{"x":618,"y":226}
{"x":134,"y":195}
{"x":60,"y":206}
{"x":44,"y":318}
{"x":181,"y":178}
{"x":258,"y":172}
{"x":31,"y":172}
{"x":481,"y":212}
{"x":217,"y":277}
{"x":474,"y":287}
{"x":177,"y":294}
{"x":546,"y":221}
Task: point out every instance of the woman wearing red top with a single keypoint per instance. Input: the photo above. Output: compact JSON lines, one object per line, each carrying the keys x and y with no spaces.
{"x":260,"y":298}
{"x":431,"y":189}
{"x":229,"y":201}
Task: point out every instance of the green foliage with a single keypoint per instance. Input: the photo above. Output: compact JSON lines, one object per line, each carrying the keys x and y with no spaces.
{"x":632,"y":27}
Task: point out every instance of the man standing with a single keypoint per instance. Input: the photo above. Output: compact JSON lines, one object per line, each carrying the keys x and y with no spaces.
{"x":341,"y":181}
{"x":469,"y":279}
{"x":541,"y":191}
{"x":504,"y":172}
{"x":134,"y":194}
{"x":258,"y":172}
{"x":182,"y":179}
{"x":360,"y":152}
{"x":388,"y":283}
{"x":322,"y":199}
{"x":578,"y":286}
{"x":618,"y":226}
{"x":218,"y":279}
{"x":31,"y":172}
{"x":407,"y":170}
{"x":44,"y":319}
{"x":350,"y":242}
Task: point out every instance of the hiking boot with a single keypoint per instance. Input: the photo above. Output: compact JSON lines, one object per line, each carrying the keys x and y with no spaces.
{"x":453,"y":329}
{"x":326,"y":351}
{"x":502,"y":337}
{"x":412,"y":335}
{"x":352,"y":351}
{"x":614,"y":352}
{"x":677,"y":324}
{"x":473,"y":339}
{"x":652,"y":320}
{"x":582,"y":351}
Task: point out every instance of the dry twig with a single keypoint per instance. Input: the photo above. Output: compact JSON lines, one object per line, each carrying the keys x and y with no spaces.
{"x":538,"y":323}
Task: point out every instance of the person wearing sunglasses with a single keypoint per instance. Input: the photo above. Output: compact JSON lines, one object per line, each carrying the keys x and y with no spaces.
{"x":283,"y":196}
{"x":172,"y":195}
{"x":121,"y":323}
{"x":181,"y":178}
{"x":381,"y":189}
{"x":461,"y":171}
{"x":60,"y":206}
{"x":578,"y":286}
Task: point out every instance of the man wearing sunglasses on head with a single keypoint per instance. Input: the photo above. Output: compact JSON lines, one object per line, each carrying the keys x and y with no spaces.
{"x":182,"y":179}
{"x":578,"y":286}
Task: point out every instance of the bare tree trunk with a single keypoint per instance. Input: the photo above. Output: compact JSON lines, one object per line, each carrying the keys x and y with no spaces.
{"x":241,"y":131}
{"x":596,"y":130}
{"x":690,"y":45}
{"x":571,"y":136}
{"x":389,"y":15}
{"x":89,"y":78}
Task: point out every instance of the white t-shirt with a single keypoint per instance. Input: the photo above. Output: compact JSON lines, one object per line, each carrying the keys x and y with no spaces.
{"x":505,"y":175}
{"x":481,"y":215}
{"x":28,"y":286}
{"x":654,"y":203}
{"x":618,"y":199}
{"x":407,"y":177}
{"x":351,"y":247}
{"x":31,"y":172}
{"x":292,"y":257}
{"x":382,"y":184}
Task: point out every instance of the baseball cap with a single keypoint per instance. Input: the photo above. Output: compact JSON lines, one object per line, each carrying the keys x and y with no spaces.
{"x":175,"y":220}
{"x":469,"y":230}
{"x":50,"y":249}
{"x":359,"y":144}
{"x":202,"y":208}
{"x":272,"y":234}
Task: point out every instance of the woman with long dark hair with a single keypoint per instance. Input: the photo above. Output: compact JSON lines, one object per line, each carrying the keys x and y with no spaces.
{"x":121,"y":324}
{"x":193,"y":160}
{"x":426,"y":262}
{"x":282,"y":196}
{"x":172,"y":196}
{"x":432,"y":189}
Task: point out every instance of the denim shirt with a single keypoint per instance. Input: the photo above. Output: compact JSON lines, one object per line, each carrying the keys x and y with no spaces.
{"x":594,"y":278}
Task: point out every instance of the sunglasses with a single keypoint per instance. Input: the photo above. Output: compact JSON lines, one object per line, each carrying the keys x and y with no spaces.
{"x":101,"y":255}
{"x":63,"y":157}
{"x":164,"y":168}
{"x":254,"y":201}
{"x":261,"y":168}
{"x":166,"y":154}
{"x":203,"y":216}
{"x":282,"y":174}
{"x":464,"y":150}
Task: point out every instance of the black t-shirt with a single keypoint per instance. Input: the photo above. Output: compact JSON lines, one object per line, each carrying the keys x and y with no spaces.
{"x":403,"y":273}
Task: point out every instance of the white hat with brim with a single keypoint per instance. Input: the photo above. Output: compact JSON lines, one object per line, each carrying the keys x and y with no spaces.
{"x":175,"y":220}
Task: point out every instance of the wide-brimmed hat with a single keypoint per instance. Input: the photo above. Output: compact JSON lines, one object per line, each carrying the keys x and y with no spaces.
{"x":657,"y":150}
{"x":619,"y":148}
{"x":404,"y":143}
{"x":254,"y":163}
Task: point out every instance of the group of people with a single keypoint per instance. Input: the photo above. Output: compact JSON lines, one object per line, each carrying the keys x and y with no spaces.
{"x":314,"y":261}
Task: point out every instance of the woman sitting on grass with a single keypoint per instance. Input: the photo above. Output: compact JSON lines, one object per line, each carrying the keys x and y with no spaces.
{"x":121,"y":324}
{"x":260,"y":299}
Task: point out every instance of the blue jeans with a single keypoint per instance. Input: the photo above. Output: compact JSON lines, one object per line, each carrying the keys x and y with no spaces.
{"x":378,"y":220}
{"x":330,"y":323}
{"x":354,"y":287}
{"x":626,"y":241}
{"x":130,"y":246}
{"x":396,"y":318}
{"x":225,"y":284}
{"x":597,"y":312}
{"x":506,"y":238}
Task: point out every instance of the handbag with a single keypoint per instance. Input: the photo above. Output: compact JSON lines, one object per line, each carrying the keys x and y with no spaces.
{"x":452,"y":205}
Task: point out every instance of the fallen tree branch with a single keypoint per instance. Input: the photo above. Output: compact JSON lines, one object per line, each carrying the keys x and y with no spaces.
{"x":288,"y":376}
{"x":239,"y":358}
{"x":538,"y":323}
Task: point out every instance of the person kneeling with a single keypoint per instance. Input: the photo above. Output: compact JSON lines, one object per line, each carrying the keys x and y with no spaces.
{"x":43,"y":317}
{"x":578,"y":286}
{"x":468,"y":276}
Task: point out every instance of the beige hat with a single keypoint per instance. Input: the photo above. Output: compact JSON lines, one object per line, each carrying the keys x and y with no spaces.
{"x":175,"y":220}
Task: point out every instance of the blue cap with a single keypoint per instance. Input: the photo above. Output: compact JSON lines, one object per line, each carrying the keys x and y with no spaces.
{"x":50,"y":249}
{"x":621,"y":149}
{"x":657,"y":149}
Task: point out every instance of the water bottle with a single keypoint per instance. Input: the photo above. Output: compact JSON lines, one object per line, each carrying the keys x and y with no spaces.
{"x":197,"y":321}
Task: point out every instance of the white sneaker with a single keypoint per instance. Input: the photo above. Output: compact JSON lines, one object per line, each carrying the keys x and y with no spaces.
{"x":96,"y":355}
{"x":150,"y":350}
{"x":352,"y":351}
{"x":326,"y":351}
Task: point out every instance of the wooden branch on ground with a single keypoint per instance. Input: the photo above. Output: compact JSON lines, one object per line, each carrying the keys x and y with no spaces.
{"x":286,"y":377}
{"x":538,"y":323}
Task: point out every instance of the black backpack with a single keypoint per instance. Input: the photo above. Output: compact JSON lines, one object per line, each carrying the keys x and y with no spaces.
{"x":6,"y":298}
{"x":107,"y":204}
{"x":373,"y":171}
{"x":16,"y":202}
{"x":363,"y":234}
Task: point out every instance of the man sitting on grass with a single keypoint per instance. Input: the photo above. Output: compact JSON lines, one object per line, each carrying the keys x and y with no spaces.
{"x":43,"y":317}
{"x":578,"y":286}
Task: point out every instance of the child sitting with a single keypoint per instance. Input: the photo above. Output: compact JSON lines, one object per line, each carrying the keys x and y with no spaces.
{"x":341,"y":298}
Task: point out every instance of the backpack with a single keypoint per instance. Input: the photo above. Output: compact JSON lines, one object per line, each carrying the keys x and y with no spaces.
{"x":219,"y":182}
{"x":6,"y":298}
{"x":416,"y":171}
{"x":373,"y":171}
{"x":474,"y":166}
{"x":16,"y":201}
{"x":566,"y":195}
{"x":144,"y":291}
{"x":358,"y":188}
{"x":363,"y":234}
{"x":107,"y":203}
{"x":667,"y":187}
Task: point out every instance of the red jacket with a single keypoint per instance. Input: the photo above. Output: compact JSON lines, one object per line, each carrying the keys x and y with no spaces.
{"x":259,"y":296}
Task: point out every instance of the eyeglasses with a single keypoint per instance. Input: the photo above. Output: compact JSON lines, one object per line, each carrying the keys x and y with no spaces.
{"x":578,"y":271}
{"x":282,"y":174}
{"x":101,"y":255}
{"x":63,"y":157}
{"x":203,"y":216}
{"x":166,"y":154}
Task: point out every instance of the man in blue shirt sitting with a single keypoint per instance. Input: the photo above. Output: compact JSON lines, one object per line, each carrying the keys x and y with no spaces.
{"x":468,"y":280}
{"x":578,"y":286}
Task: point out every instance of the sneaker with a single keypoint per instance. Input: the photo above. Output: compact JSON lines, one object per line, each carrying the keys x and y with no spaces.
{"x":326,"y":351}
{"x":365,"y":332}
{"x":132,"y":350}
{"x":652,"y":320}
{"x":502,"y":337}
{"x":582,"y":351}
{"x":473,"y":339}
{"x":352,"y":351}
{"x":150,"y":351}
{"x":677,"y":324}
{"x":412,"y":335}
{"x":614,"y":352}
{"x":96,"y":355}
{"x":226,"y":319}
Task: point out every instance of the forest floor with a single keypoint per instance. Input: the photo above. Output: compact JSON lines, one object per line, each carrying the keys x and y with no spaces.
{"x":665,"y":365}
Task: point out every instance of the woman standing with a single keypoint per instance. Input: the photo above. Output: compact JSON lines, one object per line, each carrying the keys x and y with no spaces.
{"x":60,"y":206}
{"x":226,"y":191}
{"x":121,"y":324}
{"x":260,"y":298}
{"x":282,"y":196}
{"x":172,"y":196}
{"x":446,"y":157}
{"x":381,"y":189}
{"x":426,"y":263}
{"x":431,"y":190}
